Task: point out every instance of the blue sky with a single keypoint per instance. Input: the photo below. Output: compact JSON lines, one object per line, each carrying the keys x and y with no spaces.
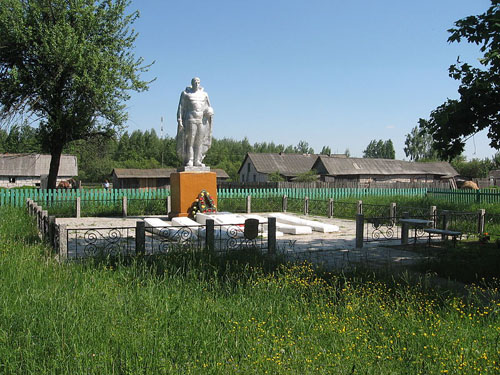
{"x":332,"y":73}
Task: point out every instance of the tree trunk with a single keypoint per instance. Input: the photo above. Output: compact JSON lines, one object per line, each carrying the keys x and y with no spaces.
{"x":55,"y":160}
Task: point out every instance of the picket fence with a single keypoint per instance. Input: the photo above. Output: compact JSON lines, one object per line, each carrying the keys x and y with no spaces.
{"x":466,"y":196}
{"x":17,"y":197}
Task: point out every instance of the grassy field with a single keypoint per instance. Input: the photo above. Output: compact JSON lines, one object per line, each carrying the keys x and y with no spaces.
{"x":193,"y":314}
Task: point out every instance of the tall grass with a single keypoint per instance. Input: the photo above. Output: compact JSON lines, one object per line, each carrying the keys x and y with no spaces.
{"x":194,"y":314}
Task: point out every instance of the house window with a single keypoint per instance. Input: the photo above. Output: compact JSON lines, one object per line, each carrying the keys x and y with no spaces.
{"x":248,"y":167}
{"x":254,"y":178}
{"x":12,"y":180}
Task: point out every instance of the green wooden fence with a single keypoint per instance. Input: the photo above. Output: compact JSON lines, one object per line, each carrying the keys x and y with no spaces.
{"x":17,"y":197}
{"x":320,"y":193}
{"x":466,"y":196}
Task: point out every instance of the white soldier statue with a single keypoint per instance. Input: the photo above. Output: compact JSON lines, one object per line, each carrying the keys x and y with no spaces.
{"x":194,"y":125}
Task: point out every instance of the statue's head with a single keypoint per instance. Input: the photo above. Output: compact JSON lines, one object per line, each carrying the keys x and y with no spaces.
{"x":195,"y":83}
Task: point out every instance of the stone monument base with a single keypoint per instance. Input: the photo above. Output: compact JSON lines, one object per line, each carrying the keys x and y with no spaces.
{"x":185,"y":187}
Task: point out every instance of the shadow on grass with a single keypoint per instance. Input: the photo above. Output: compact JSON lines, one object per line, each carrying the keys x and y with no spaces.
{"x":467,"y":262}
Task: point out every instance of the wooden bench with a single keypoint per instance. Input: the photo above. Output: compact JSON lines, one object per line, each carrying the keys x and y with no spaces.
{"x":444,"y":232}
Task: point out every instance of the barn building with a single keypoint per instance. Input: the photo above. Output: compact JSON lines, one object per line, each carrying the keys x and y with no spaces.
{"x":18,"y":170}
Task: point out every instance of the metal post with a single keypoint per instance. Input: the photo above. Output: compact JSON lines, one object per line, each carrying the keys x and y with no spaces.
{"x":405,"y":229}
{"x":169,"y":204}
{"x":330,"y":208}
{"x":78,"y":207}
{"x":285,"y":203}
{"x":140,"y":238}
{"x":271,"y":235}
{"x":433,"y":216}
{"x":393,"y":212}
{"x":446,"y":217}
{"x":481,"y":221}
{"x":249,"y":204}
{"x":306,"y":206}
{"x":124,"y":206}
{"x":210,"y":235}
{"x":45,"y":230}
{"x":359,"y":209}
{"x":360,"y":227}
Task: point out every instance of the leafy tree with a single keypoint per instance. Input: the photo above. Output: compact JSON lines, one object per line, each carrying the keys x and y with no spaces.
{"x":275,"y":177}
{"x":347,"y":153}
{"x":326,"y":150}
{"x":478,"y":108}
{"x":70,"y":64}
{"x":380,"y":150}
{"x":496,"y":160}
{"x":303,"y":148}
{"x":419,"y":144}
{"x":475,"y":168}
{"x":22,"y":139}
{"x":309,"y":176}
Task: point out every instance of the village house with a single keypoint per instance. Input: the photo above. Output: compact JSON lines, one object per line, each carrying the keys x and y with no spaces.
{"x":157,"y":178}
{"x":18,"y":170}
{"x":359,"y":172}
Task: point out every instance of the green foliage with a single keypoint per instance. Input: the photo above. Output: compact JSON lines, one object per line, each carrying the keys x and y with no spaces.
{"x":275,"y":177}
{"x":70,"y":64}
{"x":475,"y":168}
{"x":20,"y":139}
{"x":192,"y":313}
{"x":309,"y":176}
{"x":478,"y":108}
{"x":380,"y":150}
{"x":419,"y":144}
{"x":303,"y":148}
{"x":326,"y":150}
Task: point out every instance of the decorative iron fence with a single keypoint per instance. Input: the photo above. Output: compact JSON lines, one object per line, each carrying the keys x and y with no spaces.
{"x":318,"y":207}
{"x":381,"y":229}
{"x":271,"y":204}
{"x":376,"y":210}
{"x":232,"y":204}
{"x":345,"y":210}
{"x":76,"y":243}
{"x":93,"y":242}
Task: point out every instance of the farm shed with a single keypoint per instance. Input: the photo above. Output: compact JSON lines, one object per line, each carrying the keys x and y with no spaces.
{"x":27,"y":169}
{"x":366,"y":171}
{"x":157,"y":178}
{"x":257,"y":167}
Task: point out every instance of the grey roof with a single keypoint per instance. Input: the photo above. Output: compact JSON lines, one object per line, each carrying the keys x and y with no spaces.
{"x":285,"y":164}
{"x":35,"y":165}
{"x":367,"y":166}
{"x":494,"y":173}
{"x":155,"y":173}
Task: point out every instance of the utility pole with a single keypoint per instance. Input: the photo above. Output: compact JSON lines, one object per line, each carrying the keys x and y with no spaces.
{"x":161,"y":138}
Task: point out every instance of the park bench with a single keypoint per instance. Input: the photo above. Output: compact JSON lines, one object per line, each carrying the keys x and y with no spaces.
{"x":444,"y":232}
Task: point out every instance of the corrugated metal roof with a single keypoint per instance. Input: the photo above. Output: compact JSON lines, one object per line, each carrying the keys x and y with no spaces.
{"x":155,"y":173}
{"x":285,"y":164}
{"x":36,"y":165}
{"x":367,"y":166}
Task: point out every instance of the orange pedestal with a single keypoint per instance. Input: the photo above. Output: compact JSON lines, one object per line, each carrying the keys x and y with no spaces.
{"x":185,"y":187}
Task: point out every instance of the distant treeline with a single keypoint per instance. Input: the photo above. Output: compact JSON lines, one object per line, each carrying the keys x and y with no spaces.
{"x":98,"y":155}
